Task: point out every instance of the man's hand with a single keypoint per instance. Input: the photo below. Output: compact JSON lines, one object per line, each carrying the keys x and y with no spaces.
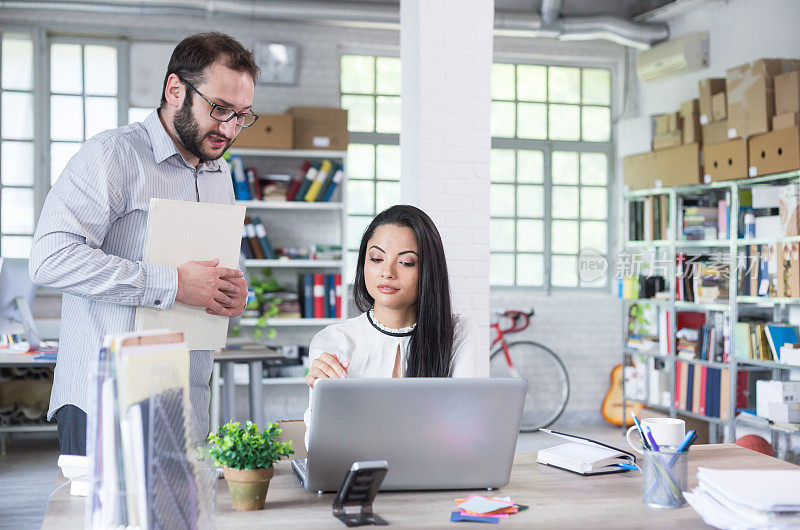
{"x":203,"y":284}
{"x":232,"y":297}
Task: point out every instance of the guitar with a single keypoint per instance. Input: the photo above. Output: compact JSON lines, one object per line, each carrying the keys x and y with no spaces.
{"x":612,"y":403}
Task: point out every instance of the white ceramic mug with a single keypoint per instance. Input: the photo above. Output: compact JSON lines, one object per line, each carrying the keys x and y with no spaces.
{"x":666,"y":431}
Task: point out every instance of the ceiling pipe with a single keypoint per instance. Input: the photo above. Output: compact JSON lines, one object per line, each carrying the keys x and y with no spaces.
{"x":548,"y":24}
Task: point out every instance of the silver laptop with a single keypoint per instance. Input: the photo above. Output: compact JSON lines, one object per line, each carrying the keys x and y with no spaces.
{"x":435,"y":433}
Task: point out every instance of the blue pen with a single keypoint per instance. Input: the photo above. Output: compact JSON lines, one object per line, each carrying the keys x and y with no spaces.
{"x":630,"y":467}
{"x":653,"y":443}
{"x":645,"y":445}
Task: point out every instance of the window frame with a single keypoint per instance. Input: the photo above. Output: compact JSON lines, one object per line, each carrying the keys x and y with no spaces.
{"x":547,"y":147}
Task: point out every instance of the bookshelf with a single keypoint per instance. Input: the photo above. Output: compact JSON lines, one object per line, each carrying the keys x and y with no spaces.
{"x":296,"y":224}
{"x":732,"y":306}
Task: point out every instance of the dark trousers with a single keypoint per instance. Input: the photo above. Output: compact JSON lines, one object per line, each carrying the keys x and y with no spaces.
{"x":71,"y":430}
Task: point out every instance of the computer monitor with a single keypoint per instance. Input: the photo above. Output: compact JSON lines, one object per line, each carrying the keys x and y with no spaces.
{"x":16,"y":298}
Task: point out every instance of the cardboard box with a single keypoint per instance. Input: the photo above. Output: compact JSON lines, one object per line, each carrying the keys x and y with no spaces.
{"x":782,"y":121}
{"x":320,"y":128}
{"x":768,"y":391}
{"x":639,"y":171}
{"x":787,"y":93}
{"x":707,"y":88}
{"x":690,"y":107}
{"x":666,"y":123}
{"x":679,"y":166}
{"x":790,"y":354}
{"x":774,"y":152}
{"x":665,"y":140}
{"x":789,"y":209}
{"x":716,"y":132}
{"x":692,"y":133}
{"x":725,"y":161}
{"x":294,"y":431}
{"x":719,"y":106}
{"x":751,"y":95}
{"x":270,"y":131}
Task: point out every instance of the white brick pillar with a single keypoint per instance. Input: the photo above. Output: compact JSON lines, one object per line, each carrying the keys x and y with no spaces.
{"x":446,"y":55}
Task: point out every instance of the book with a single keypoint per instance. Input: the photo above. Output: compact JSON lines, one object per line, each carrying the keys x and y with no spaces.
{"x":263,"y":240}
{"x":247,"y":252}
{"x":777,"y":336}
{"x":240,"y":186}
{"x":297,"y":181}
{"x":178,"y":232}
{"x":335,"y":169}
{"x":337,"y":281}
{"x":330,"y":297}
{"x":336,"y":180}
{"x":306,"y":294}
{"x":311,"y":174}
{"x":319,"y":180}
{"x":319,"y":295}
{"x":584,"y":456}
{"x":252,"y":238}
{"x":253,"y":184}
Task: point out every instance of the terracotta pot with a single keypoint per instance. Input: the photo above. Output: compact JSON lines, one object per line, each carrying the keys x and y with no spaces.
{"x":248,"y":487}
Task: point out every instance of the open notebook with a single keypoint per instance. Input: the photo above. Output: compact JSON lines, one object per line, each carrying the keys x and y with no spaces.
{"x":584,"y":456}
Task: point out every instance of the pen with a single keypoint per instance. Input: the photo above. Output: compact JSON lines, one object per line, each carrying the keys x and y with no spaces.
{"x":631,"y":467}
{"x":653,"y":443}
{"x":687,"y":441}
{"x":645,"y":445}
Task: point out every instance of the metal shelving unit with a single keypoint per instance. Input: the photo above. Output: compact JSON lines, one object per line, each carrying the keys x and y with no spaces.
{"x":672,"y":246}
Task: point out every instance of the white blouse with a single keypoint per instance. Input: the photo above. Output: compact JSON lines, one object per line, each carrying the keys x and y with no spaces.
{"x":371,"y":350}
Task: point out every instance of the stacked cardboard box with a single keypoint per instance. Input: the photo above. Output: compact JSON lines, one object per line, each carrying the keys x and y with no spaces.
{"x":690,"y":115}
{"x":668,"y":131}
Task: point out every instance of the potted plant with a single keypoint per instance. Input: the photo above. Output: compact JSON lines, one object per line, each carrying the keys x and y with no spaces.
{"x":246,"y":457}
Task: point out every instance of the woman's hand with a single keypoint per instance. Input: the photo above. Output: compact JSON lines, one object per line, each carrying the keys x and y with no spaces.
{"x":326,"y":365}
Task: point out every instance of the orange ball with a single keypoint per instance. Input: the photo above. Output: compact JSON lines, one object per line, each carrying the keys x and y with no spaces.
{"x":756,"y":443}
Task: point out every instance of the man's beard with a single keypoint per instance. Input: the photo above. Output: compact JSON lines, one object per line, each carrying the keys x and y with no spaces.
{"x":189,"y":133}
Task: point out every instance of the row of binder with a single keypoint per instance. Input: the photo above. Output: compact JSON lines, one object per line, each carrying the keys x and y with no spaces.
{"x":320,"y":295}
{"x":314,"y":181}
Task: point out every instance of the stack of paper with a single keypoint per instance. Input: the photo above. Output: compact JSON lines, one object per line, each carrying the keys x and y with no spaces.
{"x":734,"y":498}
{"x":479,"y":509}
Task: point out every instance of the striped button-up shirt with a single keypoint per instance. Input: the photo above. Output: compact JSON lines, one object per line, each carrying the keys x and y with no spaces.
{"x":89,"y":244}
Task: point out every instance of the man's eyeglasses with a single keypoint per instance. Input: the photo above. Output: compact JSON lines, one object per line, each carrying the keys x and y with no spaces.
{"x":225,"y":114}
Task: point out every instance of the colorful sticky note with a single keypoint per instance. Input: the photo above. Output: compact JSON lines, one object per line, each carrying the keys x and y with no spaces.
{"x":456,"y":517}
{"x":493,"y":514}
{"x":478,"y":504}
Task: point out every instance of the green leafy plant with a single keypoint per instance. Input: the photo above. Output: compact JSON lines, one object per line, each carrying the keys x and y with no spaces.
{"x":265,"y":303}
{"x":246,"y":448}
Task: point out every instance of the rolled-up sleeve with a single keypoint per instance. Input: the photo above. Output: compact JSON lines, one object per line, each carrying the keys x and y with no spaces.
{"x":67,"y":249}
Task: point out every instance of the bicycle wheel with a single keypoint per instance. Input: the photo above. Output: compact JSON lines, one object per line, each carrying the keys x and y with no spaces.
{"x":548,"y":382}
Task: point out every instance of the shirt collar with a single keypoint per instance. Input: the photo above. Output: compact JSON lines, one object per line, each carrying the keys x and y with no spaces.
{"x":164,"y":147}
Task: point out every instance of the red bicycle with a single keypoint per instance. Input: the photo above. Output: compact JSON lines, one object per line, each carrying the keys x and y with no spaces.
{"x":548,"y":382}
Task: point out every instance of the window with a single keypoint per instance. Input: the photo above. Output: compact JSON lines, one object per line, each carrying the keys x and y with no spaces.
{"x":370,"y":91}
{"x":17,"y":204}
{"x":551,"y":146}
{"x":84,"y":88}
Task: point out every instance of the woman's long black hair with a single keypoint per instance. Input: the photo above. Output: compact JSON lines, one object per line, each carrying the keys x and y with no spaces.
{"x":430,"y":350}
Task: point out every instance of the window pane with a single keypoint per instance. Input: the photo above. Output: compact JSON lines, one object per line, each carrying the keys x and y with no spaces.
{"x":564,"y":271}
{"x":17,"y":115}
{"x":502,"y":234}
{"x":502,"y":81}
{"x":101,"y":115}
{"x":388,"y":162}
{"x":17,"y":211}
{"x":136,"y":114}
{"x":356,"y":225}
{"x":530,"y":235}
{"x":101,"y":70}
{"x":16,"y":164}
{"x":532,"y":119}
{"x":66,"y":118}
{"x":565,"y":122}
{"x":596,"y":86}
{"x":361,"y":113}
{"x":388,"y":75}
{"x":502,"y":165}
{"x":360,"y":161}
{"x":564,"y":85}
{"x":565,"y":167}
{"x":594,"y":203}
{"x":16,"y":246}
{"x":530,"y":166}
{"x":564,"y":237}
{"x":502,"y":119}
{"x":358,"y":74}
{"x":596,"y":124}
{"x":501,"y":269}
{"x":530,"y":270}
{"x":531,"y":83}
{"x":66,"y":72}
{"x":530,"y":201}
{"x":565,"y":202}
{"x":17,"y":60}
{"x":388,"y":114}
{"x":361,"y":197}
{"x":594,"y":235}
{"x":60,"y":153}
{"x":388,"y":195}
{"x":594,"y":169}
{"x":501,"y":200}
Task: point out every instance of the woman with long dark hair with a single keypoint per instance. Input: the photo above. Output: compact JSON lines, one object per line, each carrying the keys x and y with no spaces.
{"x":407,"y":328}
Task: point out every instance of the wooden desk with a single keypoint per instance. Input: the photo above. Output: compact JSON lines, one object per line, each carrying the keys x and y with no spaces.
{"x":556,"y":498}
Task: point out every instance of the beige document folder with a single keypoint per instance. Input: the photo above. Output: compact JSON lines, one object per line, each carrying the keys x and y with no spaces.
{"x":177,"y":232}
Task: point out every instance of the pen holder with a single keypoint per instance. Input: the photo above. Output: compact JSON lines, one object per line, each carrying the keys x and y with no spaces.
{"x":665,"y":478}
